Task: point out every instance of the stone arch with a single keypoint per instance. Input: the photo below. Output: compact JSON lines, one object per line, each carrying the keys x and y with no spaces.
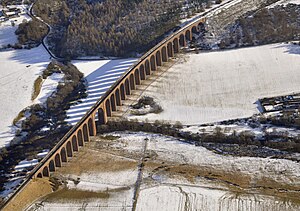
{"x":147,"y":67}
{"x":164,"y":54}
{"x":91,"y":127}
{"x":80,"y":138}
{"x":201,"y":26}
{"x":127,"y":87}
{"x":118,"y":97}
{"x":142,"y":72}
{"x":170,"y":49}
{"x":101,"y":117}
{"x":182,"y":41}
{"x":123,"y":96}
{"x":74,"y":143}
{"x":63,"y":155}
{"x":113,"y":102}
{"x":158,"y":58}
{"x":85,"y":133}
{"x":57,"y":160}
{"x":195,"y":29}
{"x":107,"y":107}
{"x":188,"y":35}
{"x":40,"y":175}
{"x":51,"y":166}
{"x":137,"y":77}
{"x":132,"y":84}
{"x":152,"y":63}
{"x":176,"y":45}
{"x":69,"y":149}
{"x":46,"y":172}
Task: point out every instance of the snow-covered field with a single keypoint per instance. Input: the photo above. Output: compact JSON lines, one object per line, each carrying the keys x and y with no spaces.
{"x":220,"y":85}
{"x":7,"y":31}
{"x":48,"y":87}
{"x":18,"y":71}
{"x":100,"y":76}
{"x":172,"y":178}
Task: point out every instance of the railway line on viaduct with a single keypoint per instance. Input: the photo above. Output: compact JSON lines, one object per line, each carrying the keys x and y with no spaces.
{"x":80,"y":133}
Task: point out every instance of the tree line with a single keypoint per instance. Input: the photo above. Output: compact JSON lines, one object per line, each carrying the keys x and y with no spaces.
{"x":111,"y":28}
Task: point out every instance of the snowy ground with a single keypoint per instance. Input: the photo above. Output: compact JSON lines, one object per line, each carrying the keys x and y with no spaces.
{"x":221,"y":85}
{"x":284,"y":3}
{"x":175,"y":176}
{"x":100,"y":76}
{"x":7,"y":31}
{"x":18,"y":71}
{"x":48,"y":87}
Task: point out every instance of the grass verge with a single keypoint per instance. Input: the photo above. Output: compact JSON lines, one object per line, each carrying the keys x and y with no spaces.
{"x":37,"y":87}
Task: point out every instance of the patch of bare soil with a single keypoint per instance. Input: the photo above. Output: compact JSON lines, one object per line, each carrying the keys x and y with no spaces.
{"x":91,"y":159}
{"x":35,"y":189}
{"x":73,"y":194}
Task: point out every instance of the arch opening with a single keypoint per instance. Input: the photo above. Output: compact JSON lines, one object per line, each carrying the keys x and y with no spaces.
{"x":123,"y":96}
{"x":152,"y":63}
{"x":74,"y":143}
{"x":182,"y":41}
{"x":176,"y":45}
{"x":85,"y":133}
{"x":101,"y":117}
{"x":142,"y":72}
{"x":137,"y":77}
{"x":158,"y":58}
{"x":164,"y":54}
{"x":131,"y":79}
{"x":51,"y":166}
{"x":63,"y":155}
{"x":57,"y":160}
{"x":113,"y":102}
{"x":118,"y":98}
{"x":46,"y":172}
{"x":69,"y":149}
{"x":147,"y":67}
{"x":91,"y":127}
{"x":107,"y":107}
{"x":188,"y":35}
{"x":127,"y":87}
{"x":170,"y":49}
{"x":80,"y":138}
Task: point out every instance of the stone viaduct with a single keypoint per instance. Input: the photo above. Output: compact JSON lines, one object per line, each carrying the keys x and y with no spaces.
{"x":109,"y":102}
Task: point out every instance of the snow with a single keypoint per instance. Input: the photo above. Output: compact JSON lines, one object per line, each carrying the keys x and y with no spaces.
{"x":43,"y":153}
{"x":284,"y":3}
{"x":18,"y":71}
{"x":170,"y":149}
{"x":7,"y":31}
{"x":161,"y":190}
{"x":25,"y":164}
{"x":220,"y":85}
{"x":175,"y":197}
{"x":104,"y":181}
{"x":100,"y":76}
{"x":48,"y":87}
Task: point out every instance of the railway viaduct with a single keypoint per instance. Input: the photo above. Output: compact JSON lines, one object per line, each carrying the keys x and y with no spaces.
{"x":109,"y":102}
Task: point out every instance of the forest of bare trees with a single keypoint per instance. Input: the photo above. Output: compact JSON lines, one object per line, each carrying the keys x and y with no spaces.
{"x":111,"y":28}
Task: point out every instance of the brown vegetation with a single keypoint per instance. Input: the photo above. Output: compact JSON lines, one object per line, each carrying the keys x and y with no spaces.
{"x":111,"y":28}
{"x":31,"y":32}
{"x":277,"y":24}
{"x":37,"y":87}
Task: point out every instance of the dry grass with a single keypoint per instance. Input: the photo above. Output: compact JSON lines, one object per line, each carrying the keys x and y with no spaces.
{"x":37,"y":88}
{"x":20,"y":116}
{"x":35,"y":189}
{"x":72,"y":194}
{"x":89,"y":160}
